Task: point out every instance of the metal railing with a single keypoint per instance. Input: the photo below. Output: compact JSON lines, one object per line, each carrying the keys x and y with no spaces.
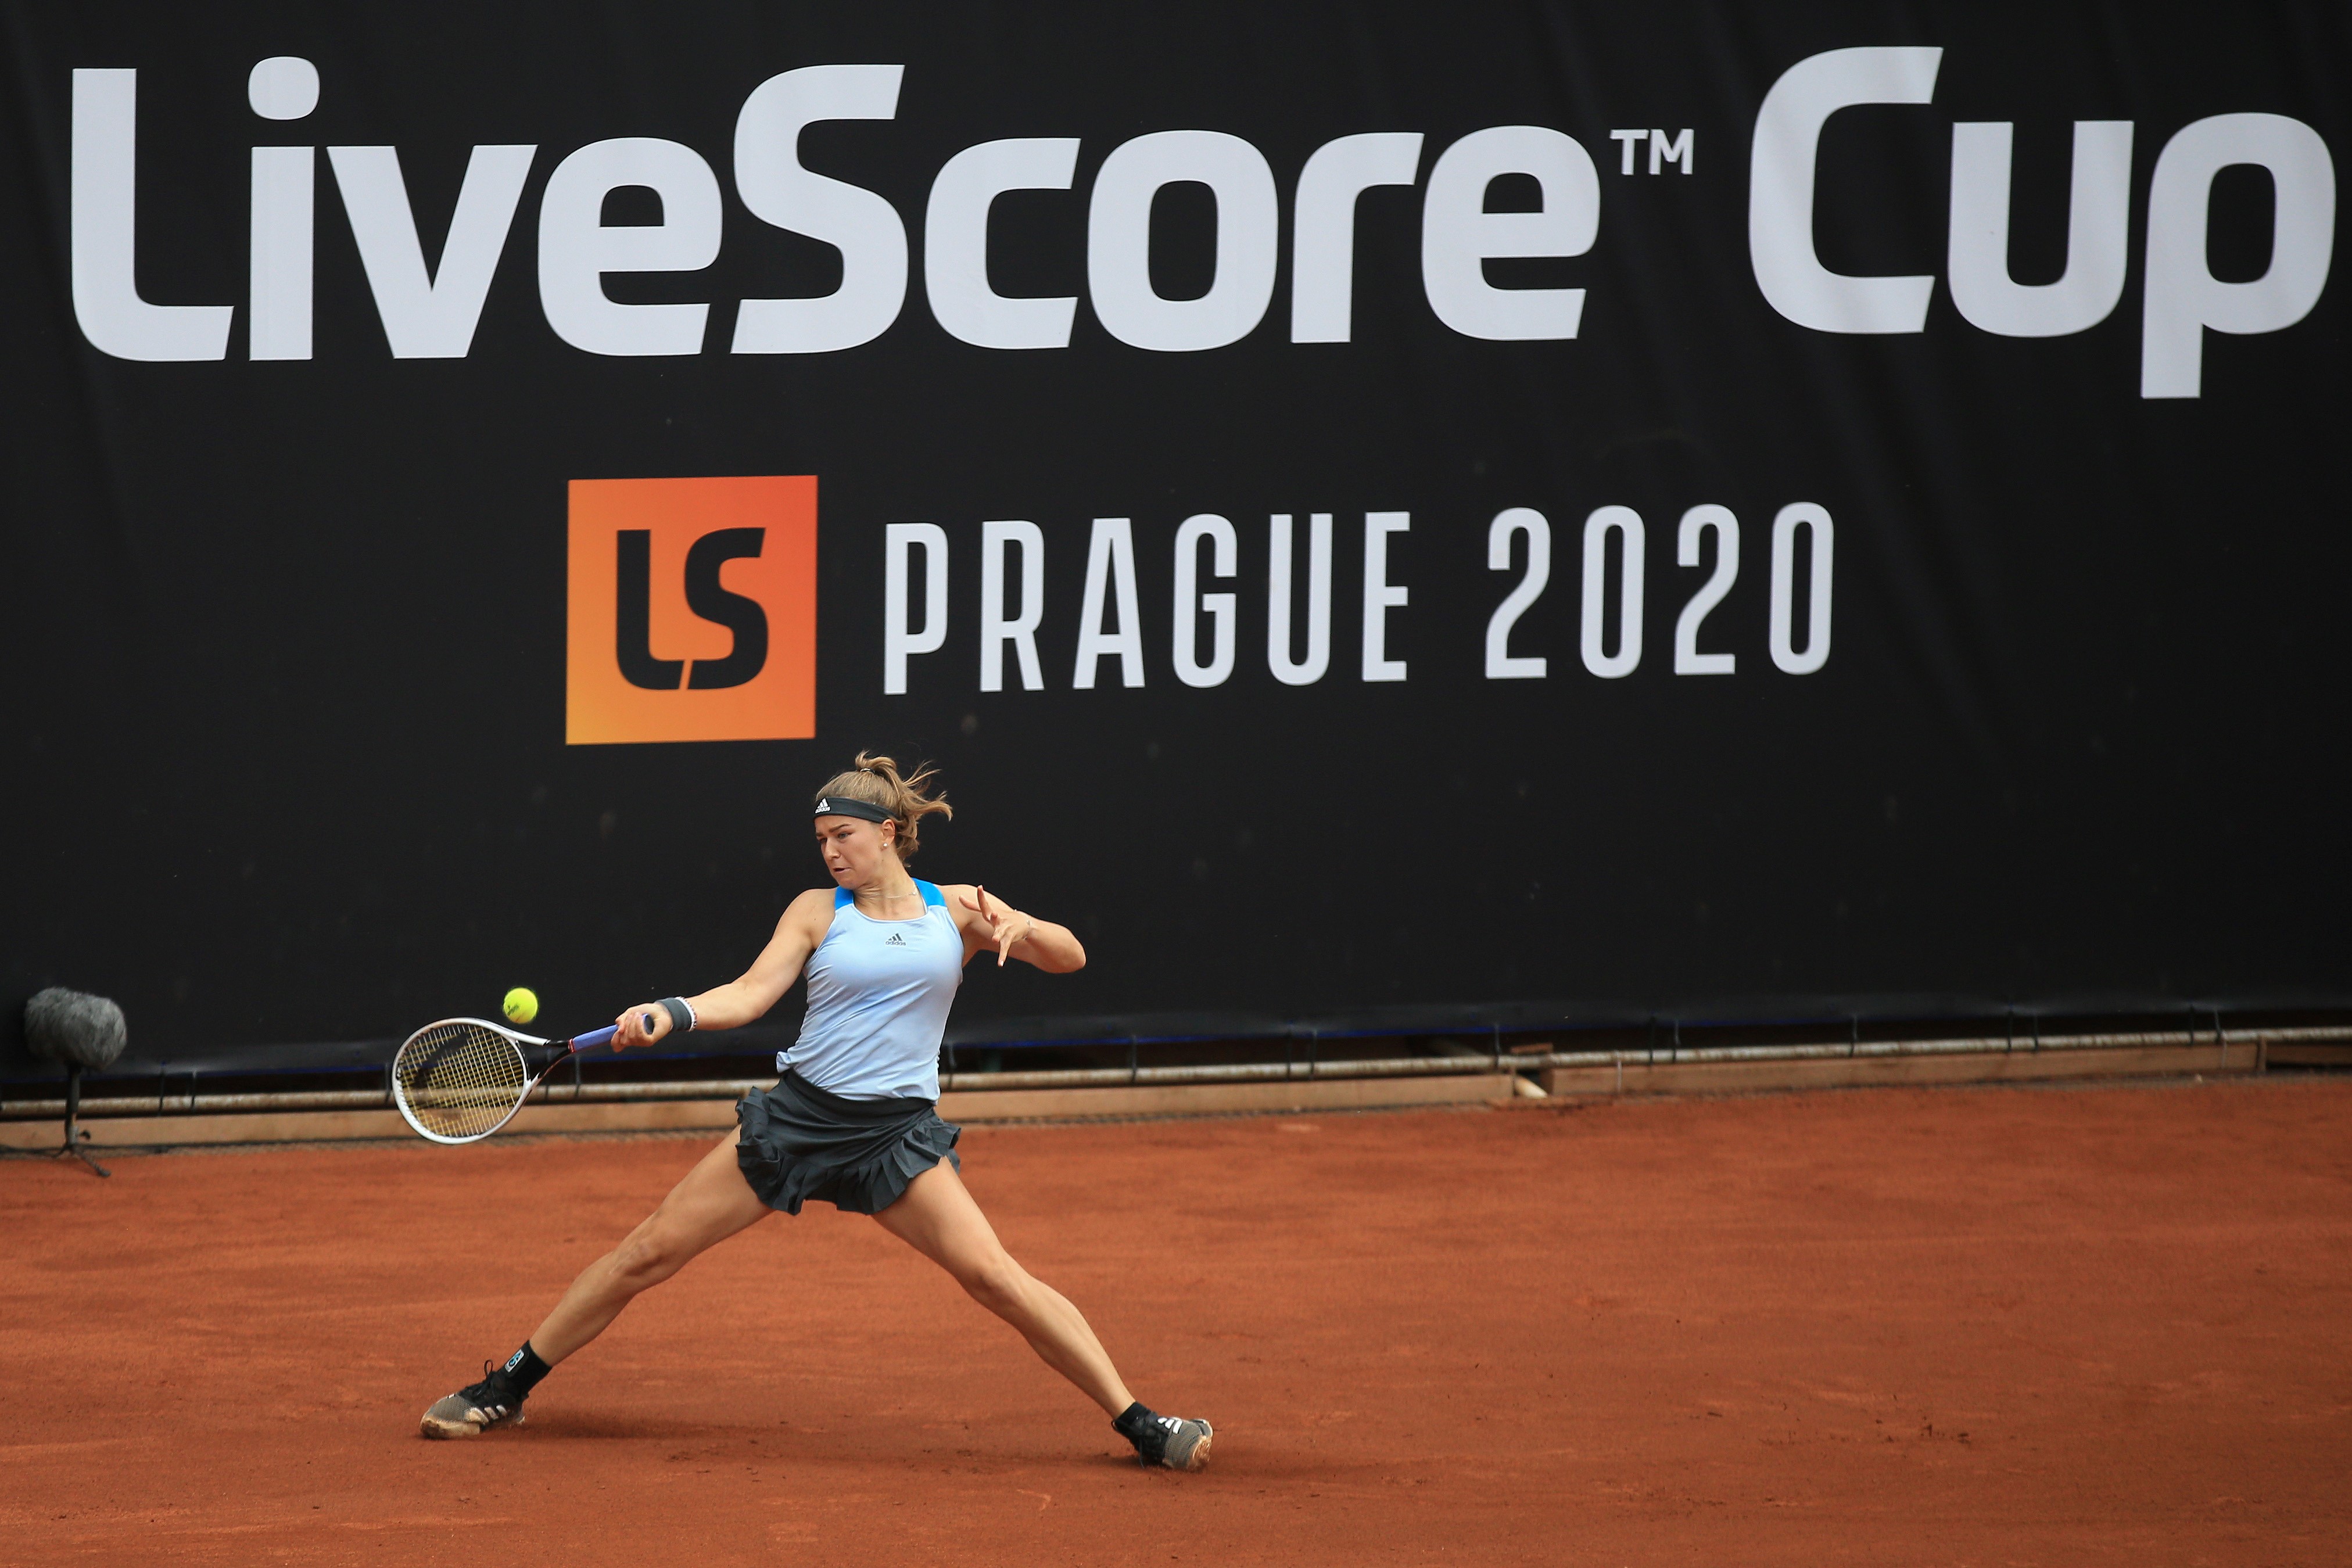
{"x":1312,"y":1070}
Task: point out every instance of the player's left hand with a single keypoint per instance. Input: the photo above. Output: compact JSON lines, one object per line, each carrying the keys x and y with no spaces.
{"x":1007,"y":926}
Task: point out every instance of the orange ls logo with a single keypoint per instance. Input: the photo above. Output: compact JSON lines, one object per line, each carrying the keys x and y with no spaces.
{"x":692,"y":610}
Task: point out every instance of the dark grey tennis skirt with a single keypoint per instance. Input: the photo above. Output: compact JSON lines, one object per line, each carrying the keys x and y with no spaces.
{"x":799,"y":1142}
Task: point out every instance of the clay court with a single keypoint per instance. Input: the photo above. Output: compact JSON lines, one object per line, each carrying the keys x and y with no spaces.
{"x":1996,"y":1326}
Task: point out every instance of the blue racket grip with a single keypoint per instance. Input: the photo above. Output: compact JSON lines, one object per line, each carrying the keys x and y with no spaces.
{"x":596,"y":1037}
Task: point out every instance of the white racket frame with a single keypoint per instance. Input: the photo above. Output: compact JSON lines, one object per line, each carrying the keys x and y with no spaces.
{"x":572,"y":1048}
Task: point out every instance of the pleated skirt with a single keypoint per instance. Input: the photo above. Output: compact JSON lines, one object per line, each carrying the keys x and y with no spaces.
{"x":797,"y":1142}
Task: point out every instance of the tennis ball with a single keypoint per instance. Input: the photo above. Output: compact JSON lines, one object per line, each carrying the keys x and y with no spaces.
{"x":522,"y":1006}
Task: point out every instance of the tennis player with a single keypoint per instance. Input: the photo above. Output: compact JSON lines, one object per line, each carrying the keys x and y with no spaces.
{"x":854,"y":1120}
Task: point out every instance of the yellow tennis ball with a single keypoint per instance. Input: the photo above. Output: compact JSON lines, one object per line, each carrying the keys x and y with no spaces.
{"x":522,"y":1006}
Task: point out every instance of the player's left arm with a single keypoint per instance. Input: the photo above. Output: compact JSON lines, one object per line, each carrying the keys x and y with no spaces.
{"x":988,"y":922}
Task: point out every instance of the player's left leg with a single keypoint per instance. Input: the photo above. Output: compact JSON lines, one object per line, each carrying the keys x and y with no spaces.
{"x":937,"y":1216}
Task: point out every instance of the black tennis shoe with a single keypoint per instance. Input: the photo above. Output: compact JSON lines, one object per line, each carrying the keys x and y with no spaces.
{"x":475,"y":1410}
{"x":1169,"y":1442}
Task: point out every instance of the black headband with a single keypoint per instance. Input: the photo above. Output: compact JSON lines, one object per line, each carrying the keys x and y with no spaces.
{"x":837,"y":806}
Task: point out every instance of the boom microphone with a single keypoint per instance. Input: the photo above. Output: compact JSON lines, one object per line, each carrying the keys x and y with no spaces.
{"x":75,"y":1028}
{"x":83,"y":1033}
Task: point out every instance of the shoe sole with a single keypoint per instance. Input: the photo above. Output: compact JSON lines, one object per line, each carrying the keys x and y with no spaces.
{"x":1196,"y":1458}
{"x":435,"y":1426}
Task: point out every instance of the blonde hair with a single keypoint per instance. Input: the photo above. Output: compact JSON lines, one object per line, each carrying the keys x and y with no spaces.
{"x":875,"y":781}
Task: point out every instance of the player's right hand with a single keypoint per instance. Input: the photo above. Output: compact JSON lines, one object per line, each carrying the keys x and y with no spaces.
{"x":641,"y":1025}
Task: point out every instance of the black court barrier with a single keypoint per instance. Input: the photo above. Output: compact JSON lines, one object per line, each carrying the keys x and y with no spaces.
{"x":1486,"y":516}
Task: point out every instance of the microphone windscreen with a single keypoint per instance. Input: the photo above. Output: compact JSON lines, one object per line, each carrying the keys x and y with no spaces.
{"x":75,"y":1028}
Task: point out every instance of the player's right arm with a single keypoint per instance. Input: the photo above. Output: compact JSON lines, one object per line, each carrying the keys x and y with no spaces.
{"x":758,"y":989}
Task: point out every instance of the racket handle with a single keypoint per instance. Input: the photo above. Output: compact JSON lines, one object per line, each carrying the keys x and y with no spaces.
{"x":596,"y":1037}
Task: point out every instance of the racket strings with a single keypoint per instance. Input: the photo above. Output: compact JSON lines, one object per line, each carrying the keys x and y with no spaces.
{"x":459,"y":1080}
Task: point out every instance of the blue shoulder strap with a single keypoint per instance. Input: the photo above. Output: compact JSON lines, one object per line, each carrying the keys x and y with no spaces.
{"x":929,"y":889}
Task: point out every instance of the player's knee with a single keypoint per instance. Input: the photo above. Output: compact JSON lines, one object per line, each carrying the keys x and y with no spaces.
{"x":995,"y":1283}
{"x":645,"y":1260}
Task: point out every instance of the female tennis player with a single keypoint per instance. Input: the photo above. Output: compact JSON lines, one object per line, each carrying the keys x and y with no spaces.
{"x":853,"y":1122}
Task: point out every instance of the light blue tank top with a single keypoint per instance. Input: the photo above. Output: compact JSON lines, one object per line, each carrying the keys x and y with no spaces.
{"x":878,"y":994}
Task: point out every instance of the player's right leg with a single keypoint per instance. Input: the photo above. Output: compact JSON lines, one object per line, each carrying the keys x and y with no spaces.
{"x":709,"y":1205}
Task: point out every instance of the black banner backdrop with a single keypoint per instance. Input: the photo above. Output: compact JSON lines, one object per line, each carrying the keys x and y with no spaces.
{"x":1929,"y":618}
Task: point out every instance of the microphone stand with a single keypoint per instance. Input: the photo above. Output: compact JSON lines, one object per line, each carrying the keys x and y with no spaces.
{"x":75,"y":1137}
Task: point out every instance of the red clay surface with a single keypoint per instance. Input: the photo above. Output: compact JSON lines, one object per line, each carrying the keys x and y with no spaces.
{"x":1975,"y":1327}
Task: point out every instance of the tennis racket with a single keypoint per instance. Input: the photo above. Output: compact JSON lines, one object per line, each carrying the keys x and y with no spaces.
{"x":458,"y":1080}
